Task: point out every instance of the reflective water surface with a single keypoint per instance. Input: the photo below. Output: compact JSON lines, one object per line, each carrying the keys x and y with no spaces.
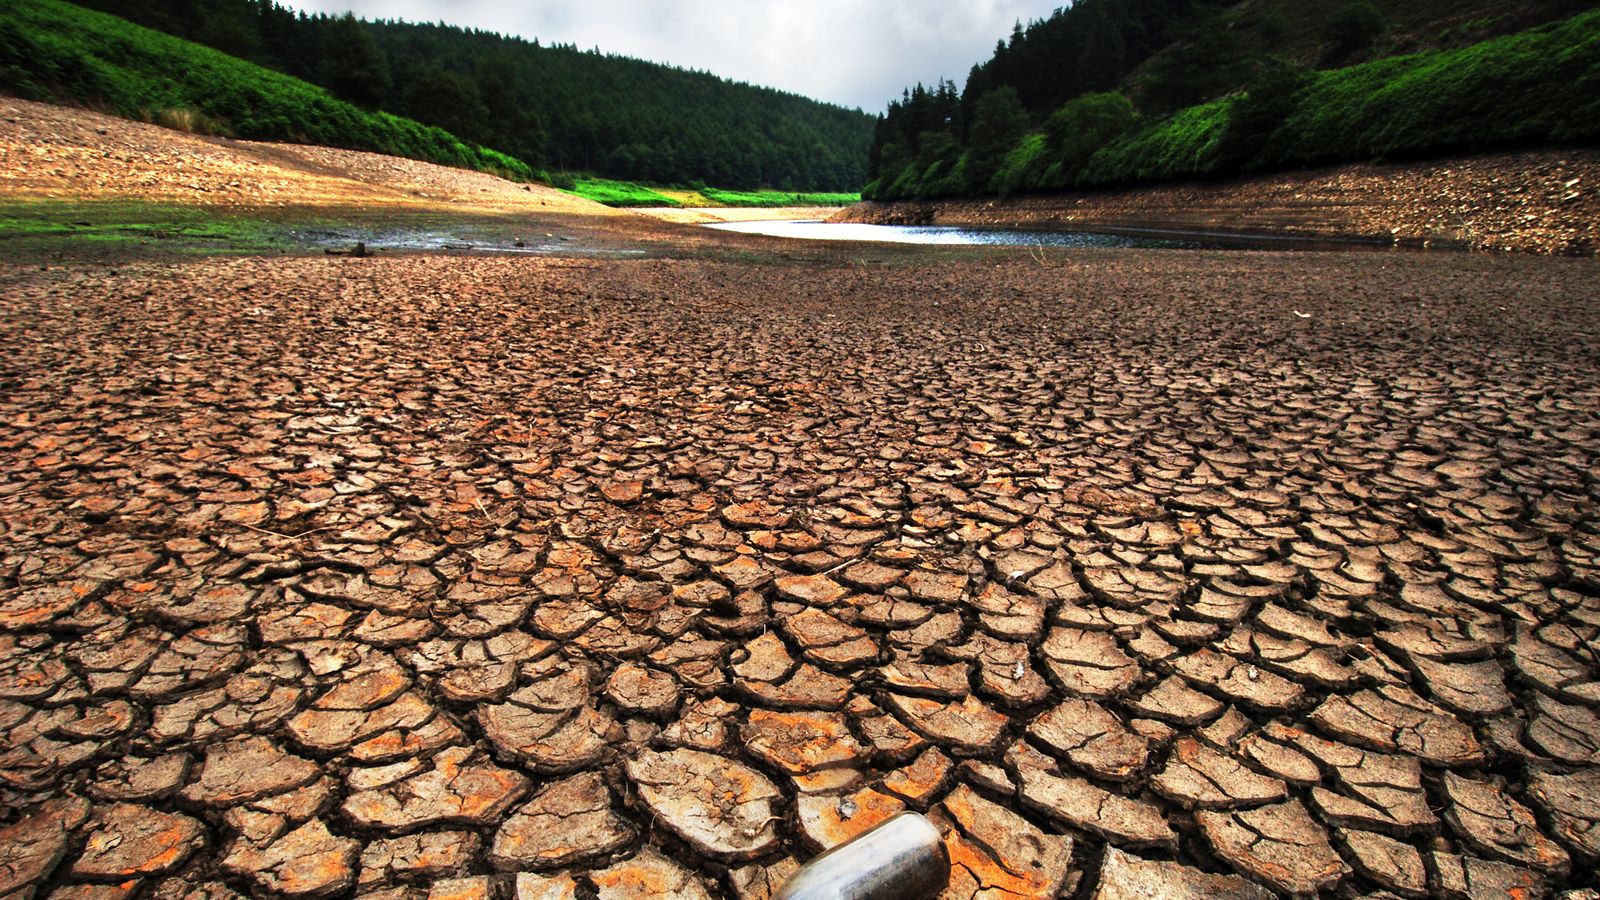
{"x":1023,"y":237}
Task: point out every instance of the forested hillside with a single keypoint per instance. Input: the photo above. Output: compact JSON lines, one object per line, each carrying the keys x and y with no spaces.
{"x":1123,"y":91}
{"x":552,"y":106}
{"x":51,"y":50}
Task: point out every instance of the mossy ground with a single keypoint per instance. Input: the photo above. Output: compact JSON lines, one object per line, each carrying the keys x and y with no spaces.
{"x":57,"y":229}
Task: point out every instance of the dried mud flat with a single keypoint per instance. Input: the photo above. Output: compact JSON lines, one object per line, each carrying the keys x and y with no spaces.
{"x":1145,"y":574}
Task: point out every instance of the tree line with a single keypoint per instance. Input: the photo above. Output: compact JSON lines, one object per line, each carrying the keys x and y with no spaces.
{"x":551,"y":106}
{"x":1115,"y":92}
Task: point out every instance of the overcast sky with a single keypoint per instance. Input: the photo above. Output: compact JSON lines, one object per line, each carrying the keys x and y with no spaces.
{"x":853,"y":52}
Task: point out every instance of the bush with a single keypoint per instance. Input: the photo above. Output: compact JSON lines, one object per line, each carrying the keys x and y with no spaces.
{"x":1258,"y":115}
{"x":1077,"y":130}
{"x":1352,"y":29}
{"x":1020,"y":169}
{"x":1184,"y":145}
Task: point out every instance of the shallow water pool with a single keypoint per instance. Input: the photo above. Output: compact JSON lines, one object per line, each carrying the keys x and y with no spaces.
{"x":962,"y":235}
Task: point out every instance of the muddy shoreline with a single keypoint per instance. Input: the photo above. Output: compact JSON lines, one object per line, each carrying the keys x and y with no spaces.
{"x":1536,"y":202}
{"x":459,"y":574}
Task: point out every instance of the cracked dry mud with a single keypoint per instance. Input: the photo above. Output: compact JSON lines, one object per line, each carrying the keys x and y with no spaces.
{"x":510,"y":578}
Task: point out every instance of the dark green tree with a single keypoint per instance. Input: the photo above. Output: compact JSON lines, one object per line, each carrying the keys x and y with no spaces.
{"x":998,"y":122}
{"x":1352,"y":30}
{"x":1077,"y":130}
{"x":353,"y":67}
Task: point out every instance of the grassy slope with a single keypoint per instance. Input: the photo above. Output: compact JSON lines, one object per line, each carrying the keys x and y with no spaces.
{"x":50,"y":50}
{"x":1411,"y":26}
{"x":1538,"y":87}
{"x":1532,"y":88}
{"x":629,"y":194}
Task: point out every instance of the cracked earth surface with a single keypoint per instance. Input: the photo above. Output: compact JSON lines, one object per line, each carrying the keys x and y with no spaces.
{"x":1143,"y":574}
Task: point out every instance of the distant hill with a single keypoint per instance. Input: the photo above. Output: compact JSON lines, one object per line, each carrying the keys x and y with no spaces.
{"x":1126,"y":91}
{"x":50,"y":50}
{"x":551,"y":106}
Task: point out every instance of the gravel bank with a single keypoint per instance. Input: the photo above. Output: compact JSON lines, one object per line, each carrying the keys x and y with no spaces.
{"x":1537,"y":202}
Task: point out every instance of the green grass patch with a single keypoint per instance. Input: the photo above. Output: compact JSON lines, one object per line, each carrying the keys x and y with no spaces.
{"x":773,"y":199}
{"x":54,"y":51}
{"x":38,"y":229}
{"x":629,"y":194}
{"x":620,"y":193}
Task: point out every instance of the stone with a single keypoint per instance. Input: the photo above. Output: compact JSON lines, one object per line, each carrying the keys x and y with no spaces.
{"x":568,"y":822}
{"x":721,"y":808}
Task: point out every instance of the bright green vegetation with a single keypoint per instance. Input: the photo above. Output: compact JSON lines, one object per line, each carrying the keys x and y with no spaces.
{"x":551,"y":106}
{"x":773,"y":199}
{"x":34,"y":229}
{"x":1204,"y":97}
{"x":50,"y":50}
{"x":620,"y":193}
{"x":629,"y":194}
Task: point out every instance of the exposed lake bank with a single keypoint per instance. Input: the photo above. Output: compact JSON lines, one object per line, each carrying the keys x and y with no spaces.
{"x":1535,"y":202}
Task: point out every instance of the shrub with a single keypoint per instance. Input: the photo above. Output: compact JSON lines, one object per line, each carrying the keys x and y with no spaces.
{"x":1080,"y":128}
{"x":1258,"y":115}
{"x":1183,"y":145}
{"x":1352,"y":29}
{"x":1020,"y":167}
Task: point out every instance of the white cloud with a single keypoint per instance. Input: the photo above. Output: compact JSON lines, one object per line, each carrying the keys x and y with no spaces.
{"x":854,"y":52}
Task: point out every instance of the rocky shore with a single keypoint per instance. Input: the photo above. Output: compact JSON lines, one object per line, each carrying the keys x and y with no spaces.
{"x":1534,"y":202}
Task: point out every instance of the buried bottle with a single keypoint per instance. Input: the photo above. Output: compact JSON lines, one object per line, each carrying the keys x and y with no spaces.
{"x":902,"y":859}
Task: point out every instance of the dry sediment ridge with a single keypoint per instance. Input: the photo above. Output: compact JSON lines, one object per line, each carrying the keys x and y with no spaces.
{"x":1141,"y":572}
{"x":1544,"y":201}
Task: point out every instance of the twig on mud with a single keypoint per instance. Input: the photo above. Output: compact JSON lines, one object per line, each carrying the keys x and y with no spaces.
{"x":290,"y":537}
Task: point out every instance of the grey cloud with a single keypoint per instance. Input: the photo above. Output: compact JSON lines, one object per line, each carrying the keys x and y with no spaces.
{"x":853,"y":52}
